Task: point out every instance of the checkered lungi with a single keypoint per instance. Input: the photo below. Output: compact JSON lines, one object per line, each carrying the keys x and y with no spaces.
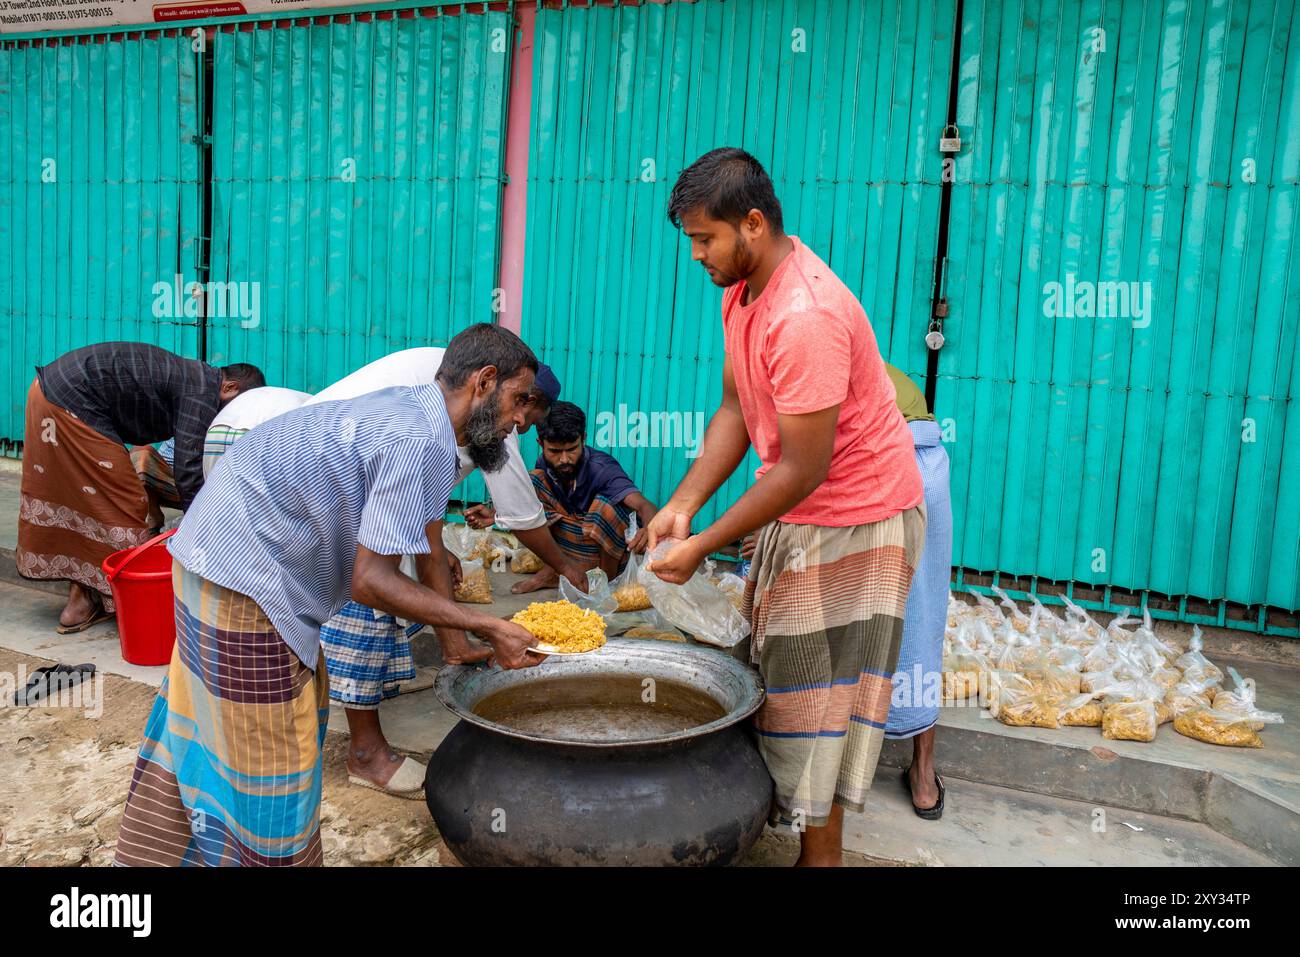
{"x":368,"y":653}
{"x":826,"y":605}
{"x":583,"y":537}
{"x":229,"y":772}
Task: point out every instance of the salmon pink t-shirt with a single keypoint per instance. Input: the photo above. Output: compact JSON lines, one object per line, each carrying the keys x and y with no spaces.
{"x":805,"y":345}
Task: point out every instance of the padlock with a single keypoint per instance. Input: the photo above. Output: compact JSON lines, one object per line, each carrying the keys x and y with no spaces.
{"x":934,"y":340}
{"x":950,"y":144}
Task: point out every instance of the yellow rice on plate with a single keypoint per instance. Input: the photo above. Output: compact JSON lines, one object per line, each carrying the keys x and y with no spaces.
{"x":562,"y":626}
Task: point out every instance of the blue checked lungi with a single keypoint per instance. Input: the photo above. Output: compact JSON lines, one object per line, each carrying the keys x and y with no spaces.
{"x":914,"y":707}
{"x":367,"y":653}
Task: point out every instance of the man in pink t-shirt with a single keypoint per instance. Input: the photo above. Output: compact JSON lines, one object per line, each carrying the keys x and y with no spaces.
{"x":838,"y":501}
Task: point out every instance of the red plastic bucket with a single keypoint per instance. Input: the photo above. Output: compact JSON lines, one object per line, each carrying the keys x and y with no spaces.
{"x":141,"y":580}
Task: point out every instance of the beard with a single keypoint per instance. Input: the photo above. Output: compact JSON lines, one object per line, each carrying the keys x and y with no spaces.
{"x":487,"y":449}
{"x":740,"y":265}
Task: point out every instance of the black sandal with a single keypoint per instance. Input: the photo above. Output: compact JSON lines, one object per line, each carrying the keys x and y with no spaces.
{"x":50,"y":679}
{"x":928,"y":813}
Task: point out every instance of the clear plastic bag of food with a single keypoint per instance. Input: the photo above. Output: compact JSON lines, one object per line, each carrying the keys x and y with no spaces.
{"x":994,"y":683}
{"x":1082,"y":711}
{"x":1166,"y":677}
{"x":475,"y":587}
{"x":960,"y":685}
{"x":1100,"y":656}
{"x":1063,"y":656}
{"x":1083,"y":629}
{"x":988,"y":610}
{"x":1130,"y":721}
{"x":1133,"y":689}
{"x":1058,"y":683}
{"x":1195,"y":666}
{"x":1027,"y":709}
{"x":1091,"y":681}
{"x":698,"y":607}
{"x":1240,"y":702}
{"x":1015,"y":617}
{"x":733,"y":586}
{"x":1225,"y":728}
{"x":525,"y":562}
{"x":628,"y":592}
{"x":1188,"y":696}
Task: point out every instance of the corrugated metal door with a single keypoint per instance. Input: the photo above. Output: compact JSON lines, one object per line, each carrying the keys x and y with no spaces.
{"x":356,"y":186}
{"x":839,"y":100}
{"x":99,"y":201}
{"x":1149,"y":145}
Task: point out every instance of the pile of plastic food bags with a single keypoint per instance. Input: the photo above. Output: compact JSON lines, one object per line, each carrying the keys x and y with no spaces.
{"x":1043,"y":671}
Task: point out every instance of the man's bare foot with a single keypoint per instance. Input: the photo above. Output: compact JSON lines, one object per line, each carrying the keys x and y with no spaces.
{"x":376,"y":765}
{"x":80,"y":606}
{"x":548,"y":577}
{"x":925,"y":792}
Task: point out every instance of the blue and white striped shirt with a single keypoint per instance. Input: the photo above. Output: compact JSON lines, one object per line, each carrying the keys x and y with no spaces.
{"x":280,"y":518}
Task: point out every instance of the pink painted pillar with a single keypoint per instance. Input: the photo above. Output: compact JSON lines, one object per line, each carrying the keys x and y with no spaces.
{"x":514,"y":201}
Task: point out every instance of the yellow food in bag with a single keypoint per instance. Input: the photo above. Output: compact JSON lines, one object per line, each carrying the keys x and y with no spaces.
{"x":475,"y":587}
{"x":1030,"y":711}
{"x":526,"y":563}
{"x":632,"y":597}
{"x":1129,"y":721}
{"x":1217,"y":727}
{"x":1085,"y":716}
{"x":960,"y":685}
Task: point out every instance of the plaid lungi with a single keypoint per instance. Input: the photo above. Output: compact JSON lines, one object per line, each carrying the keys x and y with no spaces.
{"x":584,"y":537}
{"x":80,"y":499}
{"x":826,"y":605}
{"x":368,"y":653}
{"x":229,"y":772}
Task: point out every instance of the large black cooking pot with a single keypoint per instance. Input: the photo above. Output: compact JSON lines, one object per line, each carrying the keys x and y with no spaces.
{"x":700,"y":796}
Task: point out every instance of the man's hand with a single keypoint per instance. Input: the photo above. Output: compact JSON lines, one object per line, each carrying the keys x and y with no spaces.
{"x":453,"y":565}
{"x":680,"y":562}
{"x":510,"y":644}
{"x":577,"y":576}
{"x":639,"y":540}
{"x":480,"y":516}
{"x":668,"y":523}
{"x":747,"y":546}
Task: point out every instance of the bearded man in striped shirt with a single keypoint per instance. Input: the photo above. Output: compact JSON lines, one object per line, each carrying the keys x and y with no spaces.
{"x":308,"y":510}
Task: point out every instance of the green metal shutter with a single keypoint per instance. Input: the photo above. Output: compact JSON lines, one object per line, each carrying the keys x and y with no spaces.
{"x":846,"y":126}
{"x":80,"y":256}
{"x":357,"y":174}
{"x":1083,"y":441}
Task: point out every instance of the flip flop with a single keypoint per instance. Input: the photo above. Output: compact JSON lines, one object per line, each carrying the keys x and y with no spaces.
{"x":407,"y":781}
{"x":44,"y":680}
{"x":928,"y":813}
{"x":96,"y":616}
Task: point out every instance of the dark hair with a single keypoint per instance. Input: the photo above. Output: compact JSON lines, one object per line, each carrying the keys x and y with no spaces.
{"x":480,"y":345}
{"x":564,"y":423}
{"x":243,"y":375}
{"x":726,"y":183}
